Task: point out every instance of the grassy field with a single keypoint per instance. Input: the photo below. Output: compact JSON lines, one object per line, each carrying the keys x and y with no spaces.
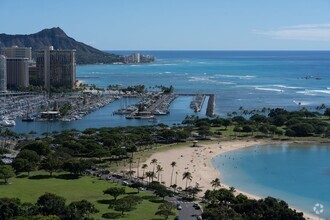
{"x":86,"y":187}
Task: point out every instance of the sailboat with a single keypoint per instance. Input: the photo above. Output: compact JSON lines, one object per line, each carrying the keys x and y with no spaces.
{"x":27,"y":117}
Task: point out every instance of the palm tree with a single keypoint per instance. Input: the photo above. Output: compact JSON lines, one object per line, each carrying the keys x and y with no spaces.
{"x":159,"y":169}
{"x":173,"y":164}
{"x":216,"y":183}
{"x":176,"y":177}
{"x":130,"y":173}
{"x":150,"y":175}
{"x":187,"y":175}
{"x":144,"y":167}
{"x":154,"y":162}
{"x":130,"y":162}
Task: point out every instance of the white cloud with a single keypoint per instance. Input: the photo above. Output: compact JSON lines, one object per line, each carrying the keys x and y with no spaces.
{"x":311,"y":32}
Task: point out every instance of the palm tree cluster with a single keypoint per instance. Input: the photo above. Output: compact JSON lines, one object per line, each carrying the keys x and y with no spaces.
{"x":157,"y":169}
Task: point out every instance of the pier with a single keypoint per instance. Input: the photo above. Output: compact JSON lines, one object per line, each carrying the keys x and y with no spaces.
{"x":155,"y":104}
{"x":198,"y":102}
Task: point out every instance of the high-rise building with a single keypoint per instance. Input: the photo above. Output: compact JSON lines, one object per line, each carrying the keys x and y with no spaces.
{"x":3,"y":73}
{"x":56,"y":68}
{"x":17,"y":72}
{"x":136,"y":57}
{"x":17,"y":52}
{"x":18,"y":59}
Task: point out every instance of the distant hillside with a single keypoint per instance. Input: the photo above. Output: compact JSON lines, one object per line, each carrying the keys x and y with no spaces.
{"x":57,"y":37}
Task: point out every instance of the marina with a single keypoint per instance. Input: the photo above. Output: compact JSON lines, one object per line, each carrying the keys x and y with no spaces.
{"x":104,"y":117}
{"x":29,"y":107}
{"x":32,"y":108}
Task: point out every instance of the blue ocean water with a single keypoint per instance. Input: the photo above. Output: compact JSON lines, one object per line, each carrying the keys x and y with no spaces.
{"x":252,"y":79}
{"x":298,"y":174}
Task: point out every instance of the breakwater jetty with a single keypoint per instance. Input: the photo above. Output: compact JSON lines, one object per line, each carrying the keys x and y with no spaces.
{"x":198,"y":101}
{"x":210,"y":106}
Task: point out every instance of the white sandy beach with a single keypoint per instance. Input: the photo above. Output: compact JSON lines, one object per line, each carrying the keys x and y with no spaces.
{"x":197,"y":160}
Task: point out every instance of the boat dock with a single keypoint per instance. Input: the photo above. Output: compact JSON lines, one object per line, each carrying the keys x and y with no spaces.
{"x":150,"y":106}
{"x":198,"y":102}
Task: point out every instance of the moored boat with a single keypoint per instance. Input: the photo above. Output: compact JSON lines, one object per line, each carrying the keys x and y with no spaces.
{"x":4,"y":122}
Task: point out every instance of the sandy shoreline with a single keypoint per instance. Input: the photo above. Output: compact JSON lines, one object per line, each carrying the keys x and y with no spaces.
{"x":197,"y":161}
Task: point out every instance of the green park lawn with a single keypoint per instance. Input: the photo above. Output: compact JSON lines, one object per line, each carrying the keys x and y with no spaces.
{"x":86,"y":187}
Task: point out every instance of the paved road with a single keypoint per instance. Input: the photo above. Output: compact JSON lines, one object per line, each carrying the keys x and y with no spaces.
{"x":188,"y":212}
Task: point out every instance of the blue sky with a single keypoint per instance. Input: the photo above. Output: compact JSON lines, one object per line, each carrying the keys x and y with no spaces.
{"x":177,"y":24}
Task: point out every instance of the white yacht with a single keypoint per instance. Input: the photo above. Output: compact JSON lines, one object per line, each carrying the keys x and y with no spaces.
{"x":5,"y":122}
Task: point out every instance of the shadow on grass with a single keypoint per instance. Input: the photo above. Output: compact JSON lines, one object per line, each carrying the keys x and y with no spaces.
{"x":153,"y":199}
{"x":104,"y":201}
{"x":40,"y":177}
{"x":149,"y":197}
{"x":157,"y":200}
{"x":61,"y":176}
{"x":68,"y":176}
{"x":109,"y":202}
{"x":111,"y":215}
{"x":132,"y":193}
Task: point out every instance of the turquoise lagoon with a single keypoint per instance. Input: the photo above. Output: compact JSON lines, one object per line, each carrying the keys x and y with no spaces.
{"x":296,"y":173}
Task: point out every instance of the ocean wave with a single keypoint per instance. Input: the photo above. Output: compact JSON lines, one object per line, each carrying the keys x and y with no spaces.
{"x":287,"y":87}
{"x":208,"y":80}
{"x":314,"y":92}
{"x":167,"y":72}
{"x":236,"y":76}
{"x":269,"y":89}
{"x":87,"y":77}
{"x":163,"y":64}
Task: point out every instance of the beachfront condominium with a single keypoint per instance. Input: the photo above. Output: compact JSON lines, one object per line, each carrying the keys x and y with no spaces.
{"x":17,"y":52}
{"x":56,"y":68}
{"x":3,"y":73}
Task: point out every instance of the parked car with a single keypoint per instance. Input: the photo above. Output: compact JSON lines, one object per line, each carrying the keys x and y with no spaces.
{"x":179,"y":207}
{"x":196,"y":206}
{"x":125,"y":183}
{"x":199,"y":217}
